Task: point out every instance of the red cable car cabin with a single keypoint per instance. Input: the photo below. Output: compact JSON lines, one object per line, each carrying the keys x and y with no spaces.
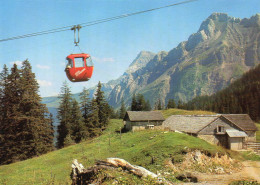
{"x":79,"y":67}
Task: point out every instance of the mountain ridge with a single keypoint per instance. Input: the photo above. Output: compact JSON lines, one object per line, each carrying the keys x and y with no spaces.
{"x":221,"y":51}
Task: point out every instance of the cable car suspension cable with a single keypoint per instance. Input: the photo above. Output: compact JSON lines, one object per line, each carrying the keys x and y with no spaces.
{"x":91,"y":23}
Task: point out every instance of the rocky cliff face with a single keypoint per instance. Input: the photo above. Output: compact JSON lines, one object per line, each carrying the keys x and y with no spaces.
{"x":220,"y":52}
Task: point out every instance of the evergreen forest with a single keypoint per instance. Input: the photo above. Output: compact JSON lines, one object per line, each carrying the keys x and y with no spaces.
{"x":80,"y":121}
{"x":241,"y":96}
{"x":26,"y":128}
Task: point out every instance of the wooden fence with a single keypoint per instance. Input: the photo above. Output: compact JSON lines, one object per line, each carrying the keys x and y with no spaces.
{"x":254,"y":146}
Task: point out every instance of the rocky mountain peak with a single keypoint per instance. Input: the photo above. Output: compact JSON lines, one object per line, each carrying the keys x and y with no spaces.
{"x":219,"y":53}
{"x":140,"y":61}
{"x":209,"y":25}
{"x":210,"y":28}
{"x":252,"y":21}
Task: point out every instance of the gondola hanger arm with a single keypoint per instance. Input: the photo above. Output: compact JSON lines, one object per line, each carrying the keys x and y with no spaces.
{"x":76,"y":29}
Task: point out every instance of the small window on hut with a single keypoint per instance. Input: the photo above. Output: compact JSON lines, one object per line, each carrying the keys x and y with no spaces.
{"x":220,"y":129}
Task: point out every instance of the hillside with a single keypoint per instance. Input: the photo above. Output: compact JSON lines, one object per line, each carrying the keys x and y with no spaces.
{"x":168,"y":112}
{"x":221,"y":51}
{"x":241,"y":96}
{"x":137,"y":148}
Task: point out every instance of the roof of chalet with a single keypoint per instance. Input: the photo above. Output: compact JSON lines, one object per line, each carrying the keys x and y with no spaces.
{"x":243,"y":121}
{"x":188,"y":123}
{"x":144,"y":116}
{"x":235,"y":133}
{"x":195,"y":123}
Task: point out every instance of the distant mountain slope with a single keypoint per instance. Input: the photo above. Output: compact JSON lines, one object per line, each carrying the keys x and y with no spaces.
{"x":220,"y":52}
{"x":241,"y":96}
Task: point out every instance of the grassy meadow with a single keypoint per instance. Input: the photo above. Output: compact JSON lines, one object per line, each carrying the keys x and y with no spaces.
{"x":137,"y":148}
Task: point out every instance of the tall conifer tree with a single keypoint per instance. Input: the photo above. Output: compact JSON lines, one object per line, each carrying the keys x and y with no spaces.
{"x":147,"y":106}
{"x":171,"y":104}
{"x":122,"y":110}
{"x":134,"y":103}
{"x":64,"y":114}
{"x":94,"y":126}
{"x":140,"y":102}
{"x":3,"y":104}
{"x":103,"y":107}
{"x":11,"y":151}
{"x":85,"y":106}
{"x":26,"y":130}
{"x":77,"y":125}
{"x":36,"y":126}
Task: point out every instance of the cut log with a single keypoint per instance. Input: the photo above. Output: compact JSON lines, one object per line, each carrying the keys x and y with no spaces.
{"x":137,"y":170}
{"x":80,"y":175}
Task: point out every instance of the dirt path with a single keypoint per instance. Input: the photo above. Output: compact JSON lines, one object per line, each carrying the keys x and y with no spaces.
{"x":250,"y":171}
{"x":252,"y":168}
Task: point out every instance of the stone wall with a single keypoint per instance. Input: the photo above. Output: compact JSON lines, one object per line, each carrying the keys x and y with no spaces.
{"x":209,"y":138}
{"x":251,"y":136}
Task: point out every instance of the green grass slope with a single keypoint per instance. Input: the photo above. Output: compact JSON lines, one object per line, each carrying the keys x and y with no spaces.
{"x":169,"y":112}
{"x":138,"y":148}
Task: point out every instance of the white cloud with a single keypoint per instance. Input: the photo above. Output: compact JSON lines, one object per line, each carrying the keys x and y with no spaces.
{"x":42,"y":66}
{"x":18,"y":62}
{"x":44,"y":83}
{"x":109,"y":59}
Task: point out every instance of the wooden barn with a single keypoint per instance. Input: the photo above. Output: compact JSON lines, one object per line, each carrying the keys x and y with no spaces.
{"x":140,"y":120}
{"x":232,"y":131}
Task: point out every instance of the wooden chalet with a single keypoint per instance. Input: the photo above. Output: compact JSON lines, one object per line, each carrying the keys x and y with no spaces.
{"x":140,"y":120}
{"x":229,"y":130}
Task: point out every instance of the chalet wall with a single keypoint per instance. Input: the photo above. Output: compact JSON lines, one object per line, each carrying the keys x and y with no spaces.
{"x":209,"y":138}
{"x":212,"y":128}
{"x":251,"y":136}
{"x":236,"y":143}
{"x":135,"y":126}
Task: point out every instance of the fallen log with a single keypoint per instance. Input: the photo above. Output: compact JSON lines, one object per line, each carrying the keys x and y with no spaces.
{"x":80,"y":175}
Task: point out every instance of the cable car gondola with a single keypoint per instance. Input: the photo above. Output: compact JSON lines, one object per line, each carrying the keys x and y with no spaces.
{"x":80,"y":66}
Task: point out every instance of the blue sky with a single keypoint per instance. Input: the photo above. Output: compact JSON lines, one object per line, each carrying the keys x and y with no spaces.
{"x":113,"y":45}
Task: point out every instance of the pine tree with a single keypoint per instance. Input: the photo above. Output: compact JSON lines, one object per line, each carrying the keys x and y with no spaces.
{"x":3,"y":104}
{"x":64,"y":114}
{"x":94,"y":126}
{"x":147,"y":106}
{"x":26,"y":130}
{"x":140,"y":102}
{"x":51,"y":124}
{"x":68,"y":141}
{"x":84,"y":103}
{"x":3,"y":83}
{"x":78,"y":131}
{"x":134,"y":104}
{"x":10,"y":123}
{"x":115,"y":114}
{"x":180,"y":104}
{"x":171,"y":104}
{"x":159,"y":105}
{"x":122,"y":111}
{"x":85,"y":106}
{"x":103,"y":107}
{"x":37,"y":128}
